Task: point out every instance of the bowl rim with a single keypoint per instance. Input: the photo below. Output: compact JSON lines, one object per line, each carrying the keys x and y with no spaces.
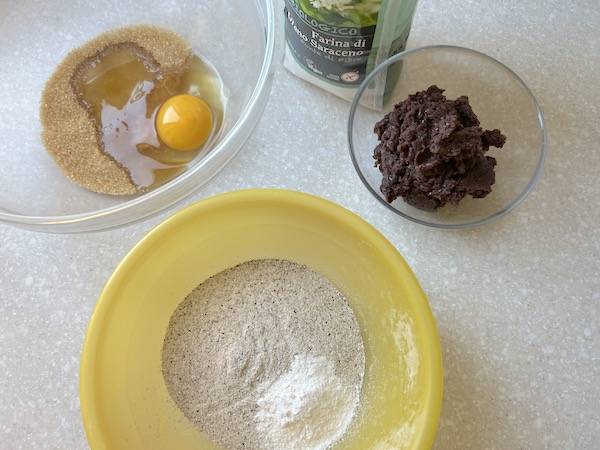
{"x":418,"y":300}
{"x":457,"y":226}
{"x":157,"y":200}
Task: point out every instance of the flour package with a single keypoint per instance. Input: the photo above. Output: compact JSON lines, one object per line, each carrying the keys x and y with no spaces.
{"x":336,"y":43}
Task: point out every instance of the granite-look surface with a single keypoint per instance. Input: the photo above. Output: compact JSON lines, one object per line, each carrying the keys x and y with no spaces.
{"x":517,"y":302}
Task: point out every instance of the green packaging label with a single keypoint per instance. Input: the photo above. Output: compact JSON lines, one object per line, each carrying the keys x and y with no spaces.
{"x":327,"y":44}
{"x":335,"y":44}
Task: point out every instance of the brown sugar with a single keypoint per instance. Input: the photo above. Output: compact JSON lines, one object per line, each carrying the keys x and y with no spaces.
{"x":70,"y":131}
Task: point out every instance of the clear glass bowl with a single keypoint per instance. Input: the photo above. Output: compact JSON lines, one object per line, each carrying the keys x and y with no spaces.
{"x":236,"y":36}
{"x":499,"y":98}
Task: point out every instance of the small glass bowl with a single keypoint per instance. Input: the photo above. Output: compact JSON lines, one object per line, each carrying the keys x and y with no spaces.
{"x":499,"y":98}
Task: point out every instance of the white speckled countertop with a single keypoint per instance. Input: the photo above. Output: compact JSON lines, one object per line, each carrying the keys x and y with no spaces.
{"x":517,"y":302}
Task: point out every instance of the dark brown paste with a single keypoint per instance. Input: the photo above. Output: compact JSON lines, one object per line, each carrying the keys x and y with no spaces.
{"x":432,"y":151}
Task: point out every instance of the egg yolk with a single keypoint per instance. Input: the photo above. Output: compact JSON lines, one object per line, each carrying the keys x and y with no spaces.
{"x":184,"y":122}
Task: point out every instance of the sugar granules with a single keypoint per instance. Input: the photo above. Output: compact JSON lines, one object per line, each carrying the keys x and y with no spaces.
{"x":70,"y":134}
{"x":266,"y":355}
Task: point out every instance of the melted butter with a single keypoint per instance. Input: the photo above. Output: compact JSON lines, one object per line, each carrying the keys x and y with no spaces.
{"x":123,"y":91}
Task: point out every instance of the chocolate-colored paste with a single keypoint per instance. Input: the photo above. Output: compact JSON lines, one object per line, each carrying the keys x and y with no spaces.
{"x":432,"y":151}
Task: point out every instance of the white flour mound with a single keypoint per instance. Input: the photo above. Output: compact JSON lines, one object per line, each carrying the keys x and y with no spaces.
{"x":306,"y":408}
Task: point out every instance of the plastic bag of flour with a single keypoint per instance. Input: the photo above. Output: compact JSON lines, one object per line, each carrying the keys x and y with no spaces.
{"x":336,"y":43}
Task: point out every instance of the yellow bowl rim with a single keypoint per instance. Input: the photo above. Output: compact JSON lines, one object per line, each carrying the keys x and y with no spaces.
{"x":434,"y":386}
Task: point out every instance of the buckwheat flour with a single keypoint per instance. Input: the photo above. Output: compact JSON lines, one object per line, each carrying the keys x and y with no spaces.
{"x":266,"y":355}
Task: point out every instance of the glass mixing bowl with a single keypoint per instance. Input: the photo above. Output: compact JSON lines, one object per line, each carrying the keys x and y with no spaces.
{"x":236,"y":36}
{"x":498,"y":97}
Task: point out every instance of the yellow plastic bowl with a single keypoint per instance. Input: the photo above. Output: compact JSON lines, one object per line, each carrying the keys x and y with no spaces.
{"x":124,"y":400}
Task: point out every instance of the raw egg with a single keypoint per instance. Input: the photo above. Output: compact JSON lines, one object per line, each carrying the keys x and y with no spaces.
{"x":184,"y":122}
